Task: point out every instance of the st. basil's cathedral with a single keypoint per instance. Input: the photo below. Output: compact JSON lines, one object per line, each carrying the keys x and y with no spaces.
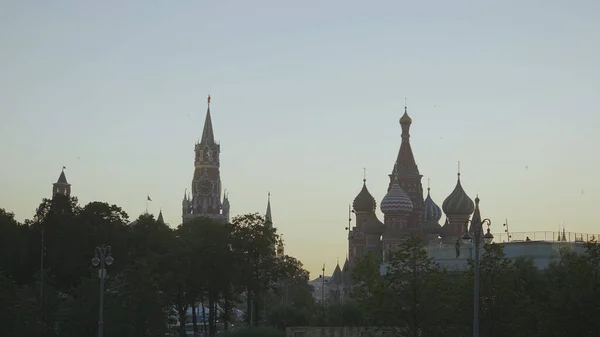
{"x":405,"y":211}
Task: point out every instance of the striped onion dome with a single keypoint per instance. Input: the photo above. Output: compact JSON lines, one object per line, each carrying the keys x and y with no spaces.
{"x":396,"y":201}
{"x":364,"y":201}
{"x":432,"y":210}
{"x":458,"y":202}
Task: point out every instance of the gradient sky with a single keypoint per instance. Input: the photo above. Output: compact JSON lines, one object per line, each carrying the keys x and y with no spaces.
{"x":304,"y":95}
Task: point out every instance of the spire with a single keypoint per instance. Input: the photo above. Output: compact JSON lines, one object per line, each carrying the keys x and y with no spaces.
{"x":160,"y":218}
{"x":476,"y":218}
{"x":62,"y":179}
{"x":268,"y":216}
{"x":61,"y":186}
{"x":336,"y":277}
{"x":405,"y":162}
{"x":207,"y":134}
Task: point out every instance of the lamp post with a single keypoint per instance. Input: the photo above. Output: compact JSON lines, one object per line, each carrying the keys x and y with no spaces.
{"x":487,"y":237}
{"x":102,"y":258}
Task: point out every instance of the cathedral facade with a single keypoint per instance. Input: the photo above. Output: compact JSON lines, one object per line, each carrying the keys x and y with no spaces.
{"x":205,"y":197}
{"x":405,"y":210}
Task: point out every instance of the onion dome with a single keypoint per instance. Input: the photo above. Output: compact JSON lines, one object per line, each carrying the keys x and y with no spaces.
{"x":458,"y":202}
{"x":396,"y":201}
{"x":405,"y":119}
{"x":432,"y":210}
{"x":432,"y":227}
{"x":364,"y":201}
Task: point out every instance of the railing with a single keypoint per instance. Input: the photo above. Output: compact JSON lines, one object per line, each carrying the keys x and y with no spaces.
{"x":545,"y":236}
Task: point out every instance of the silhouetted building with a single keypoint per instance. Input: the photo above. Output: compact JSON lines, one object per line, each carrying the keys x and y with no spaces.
{"x":205,"y":198}
{"x":405,"y":211}
{"x":61,"y":186}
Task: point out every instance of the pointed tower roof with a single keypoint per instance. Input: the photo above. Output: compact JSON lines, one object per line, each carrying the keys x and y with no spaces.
{"x":268,"y":216}
{"x":405,"y":164}
{"x":226,"y":205}
{"x":337,"y":276}
{"x":207,"y":133}
{"x":160,"y":218}
{"x":62,"y":178}
{"x":476,"y":216}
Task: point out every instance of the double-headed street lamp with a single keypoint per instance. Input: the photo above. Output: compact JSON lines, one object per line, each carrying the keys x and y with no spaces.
{"x":102,"y":258}
{"x":477,"y":226}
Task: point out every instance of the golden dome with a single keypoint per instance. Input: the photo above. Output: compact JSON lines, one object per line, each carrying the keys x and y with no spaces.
{"x":405,"y":119}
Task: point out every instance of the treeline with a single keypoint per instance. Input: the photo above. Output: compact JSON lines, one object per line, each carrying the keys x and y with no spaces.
{"x":158,"y":274}
{"x":420,"y":298}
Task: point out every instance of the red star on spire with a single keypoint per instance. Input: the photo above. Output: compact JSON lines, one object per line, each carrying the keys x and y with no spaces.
{"x":208,"y":99}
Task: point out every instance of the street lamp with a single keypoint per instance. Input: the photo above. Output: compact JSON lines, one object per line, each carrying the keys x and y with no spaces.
{"x":102,"y":258}
{"x":477,"y":227}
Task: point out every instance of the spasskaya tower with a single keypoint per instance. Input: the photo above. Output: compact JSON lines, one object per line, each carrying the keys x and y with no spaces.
{"x":205,"y":199}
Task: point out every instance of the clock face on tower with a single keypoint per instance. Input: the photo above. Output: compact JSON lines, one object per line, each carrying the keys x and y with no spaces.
{"x":204,"y":186}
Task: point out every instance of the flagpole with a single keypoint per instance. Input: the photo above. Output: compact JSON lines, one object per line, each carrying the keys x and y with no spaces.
{"x":147,"y":197}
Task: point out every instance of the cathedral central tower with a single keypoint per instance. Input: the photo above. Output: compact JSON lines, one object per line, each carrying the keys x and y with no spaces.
{"x":205,"y":199}
{"x":406,"y":171}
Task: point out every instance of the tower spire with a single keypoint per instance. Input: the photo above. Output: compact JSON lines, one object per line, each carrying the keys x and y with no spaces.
{"x":207,"y":133}
{"x":268,"y":216}
{"x":405,"y":161}
{"x":61,"y":186}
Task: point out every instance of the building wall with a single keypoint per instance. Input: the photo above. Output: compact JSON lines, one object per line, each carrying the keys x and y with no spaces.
{"x":542,"y":253}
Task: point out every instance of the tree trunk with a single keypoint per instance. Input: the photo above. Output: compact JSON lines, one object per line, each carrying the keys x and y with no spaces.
{"x":194,"y":318}
{"x":249,"y":306}
{"x":226,"y":308}
{"x":182,"y":311}
{"x":203,"y":315}
{"x":211,"y":314}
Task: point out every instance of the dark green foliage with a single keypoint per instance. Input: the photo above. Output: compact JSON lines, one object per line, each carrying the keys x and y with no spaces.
{"x":516,"y":299}
{"x":158,"y":273}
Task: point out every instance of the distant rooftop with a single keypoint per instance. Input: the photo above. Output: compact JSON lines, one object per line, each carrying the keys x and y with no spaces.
{"x":545,"y":237}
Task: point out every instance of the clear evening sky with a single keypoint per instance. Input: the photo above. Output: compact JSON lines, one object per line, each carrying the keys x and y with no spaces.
{"x":304,"y":95}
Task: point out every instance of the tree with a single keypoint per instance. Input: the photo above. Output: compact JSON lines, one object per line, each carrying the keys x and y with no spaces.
{"x":292,"y":301}
{"x":253,"y":245}
{"x":14,"y":254}
{"x":135,"y":305}
{"x":372,"y":292}
{"x":574,"y":289}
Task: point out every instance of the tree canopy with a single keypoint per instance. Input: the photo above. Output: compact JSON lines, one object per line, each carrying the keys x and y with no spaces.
{"x":49,"y":287}
{"x":419,"y":298}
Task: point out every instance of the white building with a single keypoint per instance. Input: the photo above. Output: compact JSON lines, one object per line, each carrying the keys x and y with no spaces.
{"x":541,"y":247}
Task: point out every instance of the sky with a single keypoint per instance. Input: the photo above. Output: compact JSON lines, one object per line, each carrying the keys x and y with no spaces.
{"x":304,"y":96}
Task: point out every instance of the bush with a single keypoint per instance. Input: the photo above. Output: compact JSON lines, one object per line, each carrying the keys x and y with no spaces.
{"x":254,"y":332}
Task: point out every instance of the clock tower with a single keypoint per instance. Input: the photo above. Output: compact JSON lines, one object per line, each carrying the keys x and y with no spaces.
{"x":205,"y":199}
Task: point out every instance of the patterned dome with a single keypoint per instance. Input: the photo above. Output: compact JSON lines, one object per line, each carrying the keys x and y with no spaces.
{"x":458,"y":202}
{"x":396,"y":201}
{"x":432,"y":211}
{"x":364,"y":201}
